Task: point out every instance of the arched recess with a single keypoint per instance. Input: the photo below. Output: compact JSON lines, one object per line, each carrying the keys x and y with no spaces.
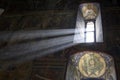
{"x":89,"y":65}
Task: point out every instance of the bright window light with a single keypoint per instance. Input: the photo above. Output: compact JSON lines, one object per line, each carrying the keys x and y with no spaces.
{"x":90,"y":26}
{"x":89,"y":36}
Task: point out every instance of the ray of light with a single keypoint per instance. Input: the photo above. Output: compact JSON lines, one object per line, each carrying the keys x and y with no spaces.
{"x":25,"y":35}
{"x":38,"y":54}
{"x":22,"y":49}
{"x":22,"y":52}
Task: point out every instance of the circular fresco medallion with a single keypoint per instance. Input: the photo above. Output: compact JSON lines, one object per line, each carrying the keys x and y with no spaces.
{"x":92,"y":65}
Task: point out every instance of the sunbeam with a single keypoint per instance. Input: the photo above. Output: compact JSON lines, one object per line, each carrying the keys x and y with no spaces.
{"x":37,"y":44}
{"x":37,"y":54}
{"x":44,"y":52}
{"x":41,"y":53}
{"x":25,"y":35}
{"x":22,"y":49}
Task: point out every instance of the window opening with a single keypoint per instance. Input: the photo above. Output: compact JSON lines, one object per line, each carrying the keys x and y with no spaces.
{"x":89,"y":32}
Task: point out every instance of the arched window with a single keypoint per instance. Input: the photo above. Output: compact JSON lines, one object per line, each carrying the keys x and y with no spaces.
{"x":88,"y":24}
{"x":90,"y":32}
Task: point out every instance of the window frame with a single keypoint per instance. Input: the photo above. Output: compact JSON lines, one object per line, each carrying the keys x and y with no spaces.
{"x":86,"y":32}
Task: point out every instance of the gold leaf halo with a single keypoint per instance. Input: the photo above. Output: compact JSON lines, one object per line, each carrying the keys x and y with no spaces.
{"x":92,"y":64}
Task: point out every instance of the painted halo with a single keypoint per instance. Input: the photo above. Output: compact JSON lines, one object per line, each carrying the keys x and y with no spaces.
{"x":92,"y":64}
